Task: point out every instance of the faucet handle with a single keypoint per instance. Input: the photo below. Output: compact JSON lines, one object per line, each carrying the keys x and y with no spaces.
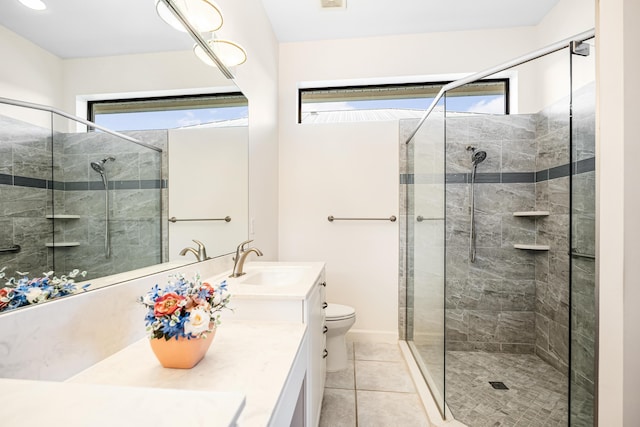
{"x":202,"y":251}
{"x":241,"y":246}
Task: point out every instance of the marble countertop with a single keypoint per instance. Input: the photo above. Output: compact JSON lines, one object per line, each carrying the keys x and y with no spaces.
{"x":309,"y":273}
{"x":40,"y":403}
{"x":249,"y":358}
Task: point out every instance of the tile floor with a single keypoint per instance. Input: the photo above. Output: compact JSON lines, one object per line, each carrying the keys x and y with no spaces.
{"x":375,"y":390}
{"x":537,"y":395}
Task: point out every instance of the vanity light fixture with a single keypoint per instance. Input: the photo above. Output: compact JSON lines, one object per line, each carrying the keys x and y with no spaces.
{"x":34,"y":4}
{"x":204,"y":15}
{"x":177,"y":9}
{"x":231,"y":54}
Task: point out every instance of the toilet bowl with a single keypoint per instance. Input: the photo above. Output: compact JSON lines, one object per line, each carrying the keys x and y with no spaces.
{"x":339,"y":319}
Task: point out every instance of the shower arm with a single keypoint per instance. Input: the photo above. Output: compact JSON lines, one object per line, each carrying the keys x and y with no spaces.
{"x":502,"y":67}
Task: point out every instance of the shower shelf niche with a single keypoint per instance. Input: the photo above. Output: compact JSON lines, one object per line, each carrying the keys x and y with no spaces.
{"x":61,"y":216}
{"x":531,"y":247}
{"x":62,"y":244}
{"x":531,"y":213}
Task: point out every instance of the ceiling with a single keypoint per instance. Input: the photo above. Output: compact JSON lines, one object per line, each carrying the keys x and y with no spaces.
{"x":88,"y":28}
{"x":305,"y":20}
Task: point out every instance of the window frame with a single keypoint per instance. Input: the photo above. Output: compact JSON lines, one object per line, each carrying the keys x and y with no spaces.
{"x":91,"y":104}
{"x":438,"y":84}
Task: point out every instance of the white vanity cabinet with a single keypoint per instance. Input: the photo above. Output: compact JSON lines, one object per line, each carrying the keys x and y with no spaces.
{"x":303,"y":301}
{"x":316,"y":328}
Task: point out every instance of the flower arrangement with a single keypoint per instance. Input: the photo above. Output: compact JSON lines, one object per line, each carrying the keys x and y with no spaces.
{"x":184,"y":308}
{"x":24,"y":291}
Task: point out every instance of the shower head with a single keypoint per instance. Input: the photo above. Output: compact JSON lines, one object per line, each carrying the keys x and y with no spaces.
{"x":99,"y":166}
{"x":478,"y":157}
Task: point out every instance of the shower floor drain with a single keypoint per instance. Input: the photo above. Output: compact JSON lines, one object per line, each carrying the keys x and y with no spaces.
{"x":498,"y":385}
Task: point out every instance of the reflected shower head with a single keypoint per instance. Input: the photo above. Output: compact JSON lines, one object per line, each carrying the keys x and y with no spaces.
{"x":99,"y":166}
{"x":478,"y":157}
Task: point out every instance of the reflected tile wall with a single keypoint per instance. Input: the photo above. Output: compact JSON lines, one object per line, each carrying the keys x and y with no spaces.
{"x":134,"y":201}
{"x":25,"y":158}
{"x":31,"y":188}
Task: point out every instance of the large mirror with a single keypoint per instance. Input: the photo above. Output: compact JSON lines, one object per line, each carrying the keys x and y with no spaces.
{"x":118,"y":205}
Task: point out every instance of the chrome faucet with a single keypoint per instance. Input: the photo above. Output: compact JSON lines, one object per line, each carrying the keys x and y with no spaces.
{"x":241,"y":257}
{"x":201,"y":253}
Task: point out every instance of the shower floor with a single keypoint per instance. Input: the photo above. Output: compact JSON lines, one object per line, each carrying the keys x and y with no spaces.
{"x":537,"y":395}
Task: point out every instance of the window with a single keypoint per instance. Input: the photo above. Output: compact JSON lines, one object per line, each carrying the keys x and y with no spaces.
{"x":393,"y":102}
{"x":229,"y":109}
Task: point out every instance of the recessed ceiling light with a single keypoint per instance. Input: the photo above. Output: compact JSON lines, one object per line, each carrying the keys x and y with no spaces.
{"x":34,"y":4}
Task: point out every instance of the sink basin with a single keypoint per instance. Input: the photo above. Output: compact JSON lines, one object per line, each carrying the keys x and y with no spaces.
{"x":272,"y":276}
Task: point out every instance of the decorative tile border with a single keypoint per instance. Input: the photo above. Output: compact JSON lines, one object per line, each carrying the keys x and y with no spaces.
{"x":23,"y":181}
{"x":582,"y":166}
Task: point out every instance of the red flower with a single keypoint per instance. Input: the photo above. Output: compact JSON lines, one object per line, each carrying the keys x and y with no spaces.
{"x":167,"y":304}
{"x":6,"y":294}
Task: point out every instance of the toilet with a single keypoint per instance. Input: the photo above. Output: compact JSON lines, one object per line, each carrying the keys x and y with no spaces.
{"x":339,"y":319}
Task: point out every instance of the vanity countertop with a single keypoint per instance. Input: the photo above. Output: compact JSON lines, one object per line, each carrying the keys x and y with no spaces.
{"x":40,"y":403}
{"x":251,"y":358}
{"x":299,"y":289}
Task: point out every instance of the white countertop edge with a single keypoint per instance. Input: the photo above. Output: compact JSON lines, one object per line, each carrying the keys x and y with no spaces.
{"x":38,"y":403}
{"x":251,"y":358}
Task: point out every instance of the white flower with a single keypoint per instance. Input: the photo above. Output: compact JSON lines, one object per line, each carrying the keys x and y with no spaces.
{"x":34,"y":295}
{"x":148,"y":300}
{"x":197,"y":323}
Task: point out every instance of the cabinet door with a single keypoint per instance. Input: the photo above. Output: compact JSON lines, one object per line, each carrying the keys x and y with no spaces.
{"x":317,"y":351}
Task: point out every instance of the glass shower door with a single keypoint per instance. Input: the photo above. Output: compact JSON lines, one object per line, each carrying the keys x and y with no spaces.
{"x":583,"y":249}
{"x":425,"y":251}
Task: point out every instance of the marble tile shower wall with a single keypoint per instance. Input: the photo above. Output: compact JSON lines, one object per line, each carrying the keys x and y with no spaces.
{"x":490,"y":304}
{"x":134,"y":197}
{"x":552,"y":267}
{"x":25,"y":159}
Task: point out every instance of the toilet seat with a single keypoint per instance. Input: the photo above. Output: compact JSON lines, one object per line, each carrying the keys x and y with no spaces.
{"x":339,"y":312}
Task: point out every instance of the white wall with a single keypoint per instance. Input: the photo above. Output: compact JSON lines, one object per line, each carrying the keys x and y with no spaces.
{"x":137,"y":76}
{"x":247,"y":23}
{"x":618,"y":199}
{"x":211,"y":184}
{"x":28,"y":73}
{"x":346,"y":170}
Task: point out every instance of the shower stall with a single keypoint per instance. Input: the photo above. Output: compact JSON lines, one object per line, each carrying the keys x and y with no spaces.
{"x":498,"y":245}
{"x":73,"y":199}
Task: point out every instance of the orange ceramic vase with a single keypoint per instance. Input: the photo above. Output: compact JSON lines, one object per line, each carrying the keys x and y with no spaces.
{"x":181,"y":353}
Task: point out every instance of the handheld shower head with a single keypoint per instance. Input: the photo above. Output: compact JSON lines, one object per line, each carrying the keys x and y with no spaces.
{"x":478,"y":157}
{"x":99,"y":167}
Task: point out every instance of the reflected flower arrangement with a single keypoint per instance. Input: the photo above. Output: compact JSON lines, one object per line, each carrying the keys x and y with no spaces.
{"x":23,"y":291}
{"x":184,"y":308}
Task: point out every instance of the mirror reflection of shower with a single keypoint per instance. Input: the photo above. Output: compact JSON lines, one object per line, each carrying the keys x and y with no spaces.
{"x":99,"y":167}
{"x":477,"y":157}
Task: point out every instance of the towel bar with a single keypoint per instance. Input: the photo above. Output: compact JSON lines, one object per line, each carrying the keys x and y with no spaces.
{"x":392,"y":218}
{"x":226,"y":218}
